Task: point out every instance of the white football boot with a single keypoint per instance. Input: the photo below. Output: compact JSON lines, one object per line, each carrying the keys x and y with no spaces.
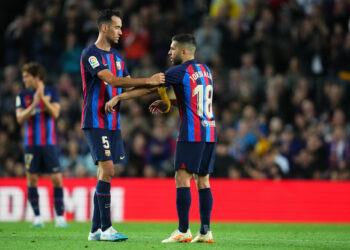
{"x":95,"y":236}
{"x":178,"y":237}
{"x":204,"y":238}
{"x":112,"y":235}
{"x":61,"y":221}
{"x":38,"y":221}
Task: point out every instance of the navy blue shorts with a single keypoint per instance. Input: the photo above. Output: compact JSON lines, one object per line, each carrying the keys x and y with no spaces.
{"x":195,"y":157}
{"x":41,"y":159}
{"x":105,"y":145}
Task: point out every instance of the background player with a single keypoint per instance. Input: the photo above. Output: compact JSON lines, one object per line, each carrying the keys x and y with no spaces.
{"x":195,"y":149}
{"x":38,"y":107}
{"x":104,"y":74}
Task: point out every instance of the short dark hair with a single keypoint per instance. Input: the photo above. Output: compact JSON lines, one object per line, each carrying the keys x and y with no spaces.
{"x":105,"y":16}
{"x":34,"y":69}
{"x":185,"y":38}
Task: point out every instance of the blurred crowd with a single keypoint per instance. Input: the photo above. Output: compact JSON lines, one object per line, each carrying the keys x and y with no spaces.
{"x":281,"y":72}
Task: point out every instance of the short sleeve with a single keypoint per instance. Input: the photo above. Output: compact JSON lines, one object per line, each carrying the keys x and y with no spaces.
{"x":92,"y":61}
{"x":20,"y":101}
{"x":55,"y":96}
{"x":174,"y":75}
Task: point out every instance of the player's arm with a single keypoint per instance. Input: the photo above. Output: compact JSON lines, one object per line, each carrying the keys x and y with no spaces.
{"x":159,"y":106}
{"x":126,"y":82}
{"x":173,"y":76}
{"x":53,"y":108}
{"x":132,"y":93}
{"x":23,"y":114}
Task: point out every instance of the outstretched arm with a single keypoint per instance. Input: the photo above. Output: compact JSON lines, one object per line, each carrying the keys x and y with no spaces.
{"x":127,"y":82}
{"x":134,"y":93}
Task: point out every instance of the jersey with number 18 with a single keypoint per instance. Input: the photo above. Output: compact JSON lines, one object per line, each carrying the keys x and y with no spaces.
{"x":193,"y":87}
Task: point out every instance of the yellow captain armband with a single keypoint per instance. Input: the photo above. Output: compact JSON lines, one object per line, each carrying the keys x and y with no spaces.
{"x":162,"y":93}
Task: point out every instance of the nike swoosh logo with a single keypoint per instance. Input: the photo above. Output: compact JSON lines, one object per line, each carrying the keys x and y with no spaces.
{"x":122,"y":157}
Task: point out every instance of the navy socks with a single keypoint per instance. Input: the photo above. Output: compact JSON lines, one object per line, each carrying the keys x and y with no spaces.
{"x":58,"y":198}
{"x":96,"y":219}
{"x":103,"y":191}
{"x":205,"y":207}
{"x":183,"y":204}
{"x":33,"y":198}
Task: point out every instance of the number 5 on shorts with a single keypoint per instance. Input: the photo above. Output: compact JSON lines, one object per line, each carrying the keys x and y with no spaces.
{"x":105,"y":142}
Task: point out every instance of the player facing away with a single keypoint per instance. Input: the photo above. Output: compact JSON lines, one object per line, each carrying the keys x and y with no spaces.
{"x":104,"y":75}
{"x":195,"y":149}
{"x":37,"y":107}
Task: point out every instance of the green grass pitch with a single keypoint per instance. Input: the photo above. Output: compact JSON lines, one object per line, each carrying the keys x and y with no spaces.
{"x":149,"y":235}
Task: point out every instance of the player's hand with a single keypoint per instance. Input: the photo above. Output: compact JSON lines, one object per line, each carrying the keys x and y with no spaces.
{"x":157,"y":106}
{"x":156,"y":79}
{"x":36,"y":97}
{"x":40,"y":89}
{"x":109,"y":106}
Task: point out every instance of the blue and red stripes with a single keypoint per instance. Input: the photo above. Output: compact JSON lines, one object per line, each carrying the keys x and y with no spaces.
{"x":112,"y":92}
{"x":210,"y":130}
{"x":42,"y":124}
{"x":97,"y":93}
{"x":39,"y":128}
{"x":84,"y":91}
{"x":194,"y":126}
{"x":28,"y":141}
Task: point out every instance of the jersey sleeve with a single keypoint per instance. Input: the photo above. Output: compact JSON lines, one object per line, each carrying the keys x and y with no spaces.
{"x":20,"y":101}
{"x":174,"y":75}
{"x":55,"y":96}
{"x":125,"y":72}
{"x":92,"y":61}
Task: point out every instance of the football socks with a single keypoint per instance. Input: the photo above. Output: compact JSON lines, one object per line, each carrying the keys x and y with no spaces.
{"x":96,"y":219}
{"x":58,"y":198}
{"x":183,"y":204}
{"x":103,"y":191}
{"x":205,"y":207}
{"x":33,"y":198}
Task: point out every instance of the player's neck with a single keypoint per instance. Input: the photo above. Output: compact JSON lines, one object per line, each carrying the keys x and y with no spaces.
{"x":102,"y":44}
{"x":187,"y":58}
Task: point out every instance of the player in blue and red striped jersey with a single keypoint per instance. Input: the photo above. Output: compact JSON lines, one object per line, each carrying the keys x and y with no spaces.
{"x":195,"y":149}
{"x":37,"y":108}
{"x":104,"y":75}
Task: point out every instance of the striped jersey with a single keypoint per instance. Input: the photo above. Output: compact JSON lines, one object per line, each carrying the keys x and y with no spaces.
{"x":193,"y":87}
{"x":96,"y":92}
{"x":40,"y":128}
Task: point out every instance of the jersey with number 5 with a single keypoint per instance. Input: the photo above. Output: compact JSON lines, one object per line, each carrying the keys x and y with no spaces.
{"x":193,"y":87}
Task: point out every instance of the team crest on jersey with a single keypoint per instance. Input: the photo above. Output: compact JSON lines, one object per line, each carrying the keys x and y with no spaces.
{"x":119,"y":66}
{"x":93,"y":62}
{"x":107,"y":152}
{"x":205,"y":123}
